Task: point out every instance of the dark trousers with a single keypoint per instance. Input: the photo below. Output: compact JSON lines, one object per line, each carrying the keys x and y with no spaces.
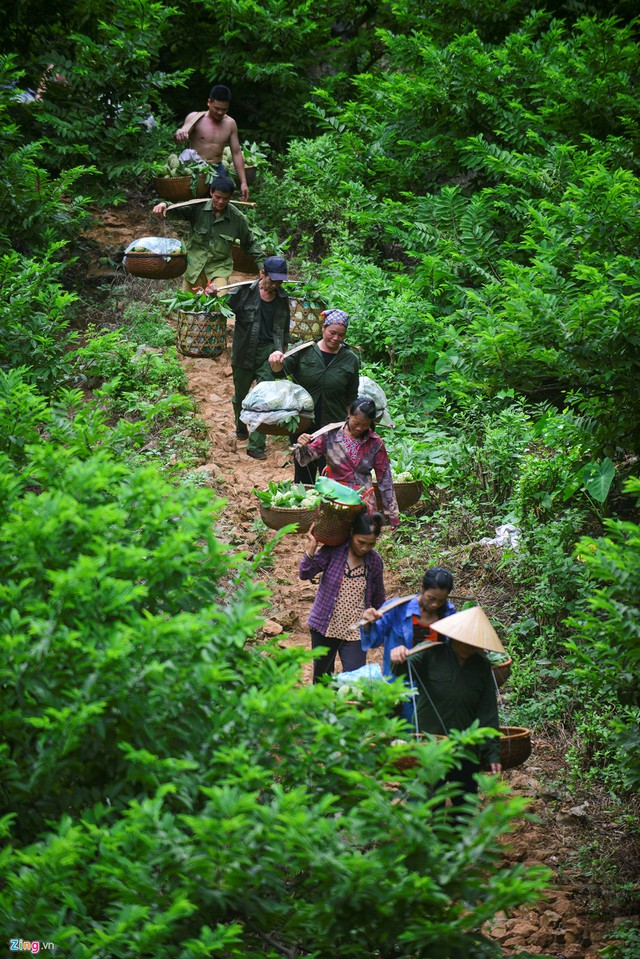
{"x":352,"y":655}
{"x":463,"y":778}
{"x":307,"y":474}
{"x":243,"y":381}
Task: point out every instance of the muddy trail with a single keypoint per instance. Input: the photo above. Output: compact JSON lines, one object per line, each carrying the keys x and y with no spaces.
{"x":562,"y":925}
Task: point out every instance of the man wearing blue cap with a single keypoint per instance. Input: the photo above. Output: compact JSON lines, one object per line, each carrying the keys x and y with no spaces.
{"x":262,"y":326}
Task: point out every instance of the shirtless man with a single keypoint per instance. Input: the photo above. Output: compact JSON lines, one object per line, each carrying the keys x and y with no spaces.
{"x":208,"y":135}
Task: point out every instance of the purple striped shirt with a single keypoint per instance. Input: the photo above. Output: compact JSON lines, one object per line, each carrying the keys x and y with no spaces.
{"x":330,"y":561}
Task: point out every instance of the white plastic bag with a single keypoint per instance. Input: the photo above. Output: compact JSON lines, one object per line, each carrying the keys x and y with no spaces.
{"x":160,"y":245}
{"x":368,"y":673}
{"x":275,"y":402}
{"x":369,"y":388}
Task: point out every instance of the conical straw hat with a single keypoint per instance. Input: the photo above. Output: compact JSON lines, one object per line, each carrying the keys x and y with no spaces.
{"x":471,"y":626}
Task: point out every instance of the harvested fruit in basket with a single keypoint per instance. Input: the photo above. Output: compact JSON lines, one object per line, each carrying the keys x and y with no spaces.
{"x":288,"y":495}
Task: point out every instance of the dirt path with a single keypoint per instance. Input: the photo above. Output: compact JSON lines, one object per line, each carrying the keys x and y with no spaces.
{"x":561,"y":927}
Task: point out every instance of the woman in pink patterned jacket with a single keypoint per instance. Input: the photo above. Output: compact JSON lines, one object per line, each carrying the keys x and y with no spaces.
{"x":352,"y":451}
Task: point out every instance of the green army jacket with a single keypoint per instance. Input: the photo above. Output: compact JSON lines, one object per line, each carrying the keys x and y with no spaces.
{"x":211,"y":239}
{"x":451,"y":696}
{"x":245,"y":303}
{"x":333,"y":387}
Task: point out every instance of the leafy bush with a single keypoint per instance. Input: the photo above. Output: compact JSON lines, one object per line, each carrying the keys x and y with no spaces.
{"x":100,"y":562}
{"x":607,"y":632}
{"x":36,"y":210}
{"x":549,"y":579}
{"x":34,"y":316}
{"x":102,"y":86}
{"x":146,"y":324}
{"x":109,"y":359}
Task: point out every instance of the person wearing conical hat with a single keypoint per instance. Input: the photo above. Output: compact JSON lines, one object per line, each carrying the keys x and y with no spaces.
{"x":455,"y":687}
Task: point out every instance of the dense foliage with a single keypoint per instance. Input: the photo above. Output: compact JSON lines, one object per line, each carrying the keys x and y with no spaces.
{"x":219,"y":793}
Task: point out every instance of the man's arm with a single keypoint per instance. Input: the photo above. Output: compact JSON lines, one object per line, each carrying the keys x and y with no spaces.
{"x":238,"y":160}
{"x":182,"y":133}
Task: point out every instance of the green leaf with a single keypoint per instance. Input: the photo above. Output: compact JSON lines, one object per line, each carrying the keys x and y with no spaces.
{"x":598,"y":478}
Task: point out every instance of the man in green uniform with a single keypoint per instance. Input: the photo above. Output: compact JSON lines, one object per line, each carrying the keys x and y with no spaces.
{"x":215,"y":226}
{"x":262,"y":327}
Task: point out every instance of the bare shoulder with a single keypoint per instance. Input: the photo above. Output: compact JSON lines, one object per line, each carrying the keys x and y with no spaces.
{"x":191,"y":116}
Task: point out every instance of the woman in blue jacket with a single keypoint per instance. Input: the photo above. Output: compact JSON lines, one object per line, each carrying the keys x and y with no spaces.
{"x":408,"y":622}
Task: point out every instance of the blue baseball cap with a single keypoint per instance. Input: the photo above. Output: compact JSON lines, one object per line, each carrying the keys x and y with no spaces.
{"x":275,"y":268}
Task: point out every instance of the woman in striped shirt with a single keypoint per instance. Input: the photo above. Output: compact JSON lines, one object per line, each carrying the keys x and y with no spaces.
{"x":352,"y":580}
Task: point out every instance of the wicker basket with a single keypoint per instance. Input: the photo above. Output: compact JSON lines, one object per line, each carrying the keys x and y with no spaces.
{"x":407,"y":494}
{"x":275,"y":517}
{"x":515,"y":746}
{"x":201,"y":334}
{"x":515,"y":749}
{"x":409,"y":760}
{"x":502,"y":671}
{"x":334,"y":522}
{"x":178,"y":188}
{"x":242,"y":262}
{"x":274,"y":429}
{"x":306,"y":321}
{"x":154,"y":266}
{"x":405,"y":762}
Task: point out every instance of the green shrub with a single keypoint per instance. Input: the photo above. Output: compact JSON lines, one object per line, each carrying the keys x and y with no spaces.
{"x":146,"y":324}
{"x":606,"y":644}
{"x":111,"y":85}
{"x":34,"y":316}
{"x":109,"y":360}
{"x":550,"y":581}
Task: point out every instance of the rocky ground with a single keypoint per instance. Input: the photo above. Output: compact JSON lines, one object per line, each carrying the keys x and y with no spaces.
{"x":572,"y":922}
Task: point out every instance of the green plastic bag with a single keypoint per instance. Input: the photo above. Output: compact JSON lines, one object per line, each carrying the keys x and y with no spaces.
{"x":337,"y":492}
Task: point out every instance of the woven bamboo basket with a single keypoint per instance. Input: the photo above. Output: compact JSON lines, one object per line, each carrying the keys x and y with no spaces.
{"x":515,"y":746}
{"x":178,"y":188}
{"x":154,"y":266}
{"x":275,"y":517}
{"x":333,"y":522}
{"x":274,"y":429}
{"x":201,"y":334}
{"x":409,"y":760}
{"x":242,"y":262}
{"x":515,"y":749}
{"x":306,"y":321}
{"x":407,"y":494}
{"x":502,"y":671}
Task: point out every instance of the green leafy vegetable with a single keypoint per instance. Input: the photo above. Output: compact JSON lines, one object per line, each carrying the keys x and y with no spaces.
{"x":288,"y":495}
{"x":198,"y":303}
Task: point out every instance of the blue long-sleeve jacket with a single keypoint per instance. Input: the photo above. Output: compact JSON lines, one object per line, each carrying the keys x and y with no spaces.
{"x":396,"y":629}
